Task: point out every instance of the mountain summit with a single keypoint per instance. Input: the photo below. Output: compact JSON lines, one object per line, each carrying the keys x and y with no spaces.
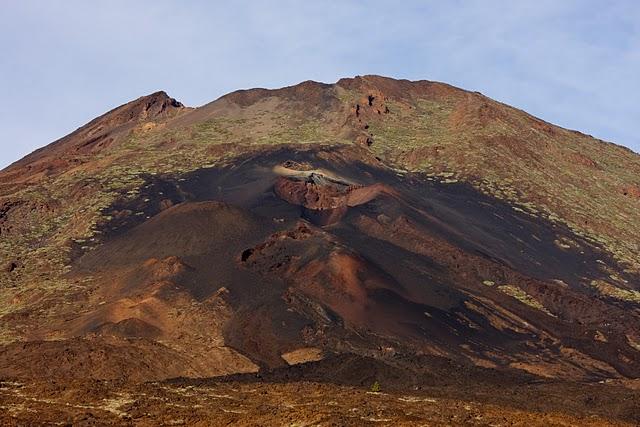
{"x":411,"y":231}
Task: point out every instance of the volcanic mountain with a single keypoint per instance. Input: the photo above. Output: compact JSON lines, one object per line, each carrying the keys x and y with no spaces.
{"x":413,"y":231}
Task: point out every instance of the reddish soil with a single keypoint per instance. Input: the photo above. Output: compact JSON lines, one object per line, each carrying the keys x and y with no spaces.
{"x":229,"y":403}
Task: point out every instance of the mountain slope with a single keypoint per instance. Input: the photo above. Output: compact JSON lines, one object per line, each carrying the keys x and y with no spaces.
{"x":386,"y":218}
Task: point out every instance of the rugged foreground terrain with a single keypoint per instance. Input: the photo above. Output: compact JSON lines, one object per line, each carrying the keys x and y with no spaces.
{"x":280,"y":251}
{"x":304,"y":403}
{"x":334,"y":391}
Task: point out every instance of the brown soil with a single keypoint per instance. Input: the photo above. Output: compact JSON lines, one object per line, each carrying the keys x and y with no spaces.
{"x":186,"y":402}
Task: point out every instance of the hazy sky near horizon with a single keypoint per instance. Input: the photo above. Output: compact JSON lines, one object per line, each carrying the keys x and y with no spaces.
{"x":575,"y":63}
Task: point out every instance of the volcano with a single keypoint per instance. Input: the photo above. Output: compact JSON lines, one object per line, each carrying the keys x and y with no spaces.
{"x":412,"y":234}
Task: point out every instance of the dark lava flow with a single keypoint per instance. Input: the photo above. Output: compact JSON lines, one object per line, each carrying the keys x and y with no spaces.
{"x":472,"y":220}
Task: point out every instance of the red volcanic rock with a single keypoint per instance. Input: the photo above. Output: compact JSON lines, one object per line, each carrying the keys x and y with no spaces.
{"x":631,"y":191}
{"x":319,"y":193}
{"x":309,"y":194}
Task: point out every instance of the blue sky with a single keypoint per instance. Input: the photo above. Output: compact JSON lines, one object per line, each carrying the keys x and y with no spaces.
{"x":62,"y":63}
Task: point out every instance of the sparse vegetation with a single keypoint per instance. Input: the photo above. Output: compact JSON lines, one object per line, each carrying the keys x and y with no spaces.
{"x":609,"y":290}
{"x":523,"y":297}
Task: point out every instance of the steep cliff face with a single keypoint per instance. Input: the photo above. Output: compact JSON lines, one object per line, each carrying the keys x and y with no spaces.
{"x":386,"y":218}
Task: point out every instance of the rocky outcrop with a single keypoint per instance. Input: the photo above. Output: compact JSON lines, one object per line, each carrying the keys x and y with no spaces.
{"x":319,"y":193}
{"x":99,"y":134}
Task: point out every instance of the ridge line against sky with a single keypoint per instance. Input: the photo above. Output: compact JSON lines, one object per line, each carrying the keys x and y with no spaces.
{"x":572,"y":63}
